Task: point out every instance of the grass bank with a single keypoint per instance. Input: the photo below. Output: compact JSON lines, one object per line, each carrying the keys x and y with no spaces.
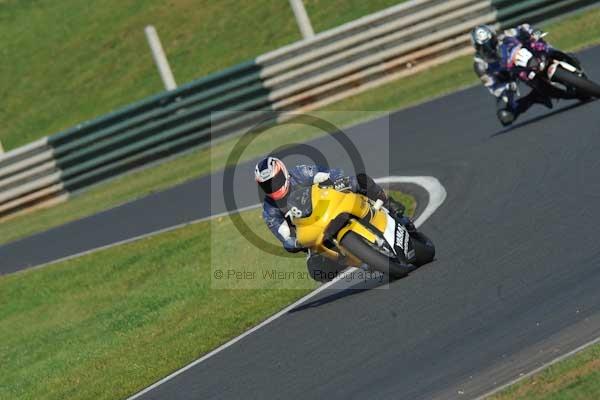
{"x":576,"y":378}
{"x":105,"y":325}
{"x":572,"y":33}
{"x":72,"y":60}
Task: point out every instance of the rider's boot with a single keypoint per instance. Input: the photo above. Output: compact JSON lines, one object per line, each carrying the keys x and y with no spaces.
{"x":397,"y":210}
{"x":376,"y":192}
{"x":394,"y":207}
{"x":407,"y":223}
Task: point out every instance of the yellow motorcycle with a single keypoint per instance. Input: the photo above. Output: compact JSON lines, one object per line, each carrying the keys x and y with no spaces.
{"x":353,"y":230}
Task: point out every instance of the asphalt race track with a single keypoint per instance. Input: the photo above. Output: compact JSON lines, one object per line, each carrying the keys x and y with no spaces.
{"x":515,"y":283}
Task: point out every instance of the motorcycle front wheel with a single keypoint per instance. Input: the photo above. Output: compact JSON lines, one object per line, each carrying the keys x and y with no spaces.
{"x":582,"y":85}
{"x":367,"y":252}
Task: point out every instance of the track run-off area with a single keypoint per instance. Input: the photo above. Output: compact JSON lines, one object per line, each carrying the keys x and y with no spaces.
{"x":514,"y":285}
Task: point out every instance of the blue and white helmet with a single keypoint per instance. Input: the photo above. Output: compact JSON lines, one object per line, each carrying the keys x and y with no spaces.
{"x":485,"y":41}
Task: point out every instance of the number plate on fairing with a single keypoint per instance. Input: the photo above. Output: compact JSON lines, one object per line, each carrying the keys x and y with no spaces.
{"x":398,"y":237}
{"x":402,"y":240}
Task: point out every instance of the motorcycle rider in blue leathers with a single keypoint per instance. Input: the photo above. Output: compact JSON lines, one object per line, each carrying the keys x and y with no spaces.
{"x":277,"y":182}
{"x":497,"y":56}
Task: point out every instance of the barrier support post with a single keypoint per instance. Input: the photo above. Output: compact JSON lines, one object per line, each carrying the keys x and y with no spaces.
{"x":302,"y":19}
{"x":160,"y":58}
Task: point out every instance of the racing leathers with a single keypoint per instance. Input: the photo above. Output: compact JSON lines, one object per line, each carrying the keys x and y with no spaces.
{"x":307,"y":175}
{"x":498,"y":74}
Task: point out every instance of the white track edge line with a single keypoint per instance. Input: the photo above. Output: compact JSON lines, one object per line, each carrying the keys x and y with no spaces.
{"x":424,"y":181}
{"x":437,"y":192}
{"x":135,"y":238}
{"x":539,"y":369}
{"x":437,"y":195}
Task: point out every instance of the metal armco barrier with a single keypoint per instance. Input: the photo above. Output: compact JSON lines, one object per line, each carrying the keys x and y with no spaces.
{"x":332,"y":65}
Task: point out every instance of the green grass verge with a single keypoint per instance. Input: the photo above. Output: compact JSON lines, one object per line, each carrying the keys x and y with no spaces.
{"x":572,"y":33}
{"x":576,"y":378}
{"x":105,"y":325}
{"x":72,"y":60}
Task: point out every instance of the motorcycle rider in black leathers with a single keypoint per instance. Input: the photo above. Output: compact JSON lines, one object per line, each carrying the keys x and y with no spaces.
{"x":496,"y":56}
{"x":277,"y":182}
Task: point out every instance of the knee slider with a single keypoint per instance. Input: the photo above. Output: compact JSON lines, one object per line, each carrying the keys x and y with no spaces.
{"x":506,"y":117}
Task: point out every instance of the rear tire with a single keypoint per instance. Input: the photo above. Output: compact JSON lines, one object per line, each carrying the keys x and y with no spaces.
{"x":584,"y":86}
{"x":322,"y":269}
{"x":364,"y":251}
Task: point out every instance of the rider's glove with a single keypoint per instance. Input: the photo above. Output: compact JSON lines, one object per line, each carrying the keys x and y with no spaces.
{"x":522,"y":57}
{"x":291,"y":245}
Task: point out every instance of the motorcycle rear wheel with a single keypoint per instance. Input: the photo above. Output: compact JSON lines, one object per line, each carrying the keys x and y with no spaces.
{"x":582,"y":85}
{"x":367,"y":253}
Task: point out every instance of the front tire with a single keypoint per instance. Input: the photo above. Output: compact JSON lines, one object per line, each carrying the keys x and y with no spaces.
{"x":424,"y":248}
{"x":367,"y":253}
{"x":583,"y":86}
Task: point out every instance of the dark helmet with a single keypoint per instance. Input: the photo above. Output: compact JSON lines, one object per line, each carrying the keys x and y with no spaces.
{"x":485,"y":41}
{"x":272,"y":176}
